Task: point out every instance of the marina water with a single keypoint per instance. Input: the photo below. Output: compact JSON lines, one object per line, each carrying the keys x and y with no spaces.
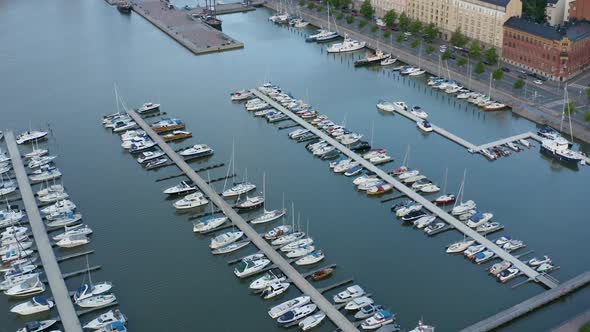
{"x":58,"y":72}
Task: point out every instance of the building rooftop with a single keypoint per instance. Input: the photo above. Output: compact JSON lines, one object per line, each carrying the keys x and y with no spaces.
{"x":502,"y":3}
{"x":575,"y":30}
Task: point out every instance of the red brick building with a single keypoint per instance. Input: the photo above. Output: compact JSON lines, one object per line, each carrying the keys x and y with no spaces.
{"x":558,"y":53}
{"x":579,"y":9}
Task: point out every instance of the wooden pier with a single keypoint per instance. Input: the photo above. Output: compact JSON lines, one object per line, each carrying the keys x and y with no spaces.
{"x":298,"y":280}
{"x":530,"y":304}
{"x":434,"y":209}
{"x":64,"y":304}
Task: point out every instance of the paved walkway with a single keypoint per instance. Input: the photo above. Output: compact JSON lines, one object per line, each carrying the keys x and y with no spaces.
{"x":529,"y":305}
{"x":59,"y":290}
{"x":337,"y":318}
{"x":440,"y":213}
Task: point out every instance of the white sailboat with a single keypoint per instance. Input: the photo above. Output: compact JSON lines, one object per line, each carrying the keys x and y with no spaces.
{"x":268,"y":216}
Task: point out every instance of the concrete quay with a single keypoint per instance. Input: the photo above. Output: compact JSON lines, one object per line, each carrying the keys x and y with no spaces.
{"x":64,"y":304}
{"x":195,"y":35}
{"x":279,"y":261}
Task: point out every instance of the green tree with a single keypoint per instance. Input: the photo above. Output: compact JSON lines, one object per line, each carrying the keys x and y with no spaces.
{"x":400,"y":38}
{"x":319,"y":9}
{"x":458,"y":39}
{"x":462,"y":61}
{"x":519,"y":84}
{"x":587,"y":116}
{"x":570,"y":108}
{"x":387,"y":34}
{"x":374,"y":28}
{"x":446,"y":55}
{"x":367,"y":10}
{"x":349,"y":19}
{"x":390,"y":17}
{"x":497,"y":74}
{"x":339,"y":3}
{"x":480,"y":68}
{"x":415,"y":43}
{"x":311,"y":5}
{"x":340,"y":16}
{"x":404,"y":22}
{"x":430,"y":32}
{"x":534,"y":9}
{"x":491,"y":55}
{"x":475,"y":50}
{"x":301,"y":3}
{"x":415,"y":27}
{"x":362,"y":23}
{"x":588,"y":92}
{"x":429,"y":49}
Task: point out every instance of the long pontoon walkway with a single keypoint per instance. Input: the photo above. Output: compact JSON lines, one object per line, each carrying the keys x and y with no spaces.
{"x":337,"y":318}
{"x":525,"y":269}
{"x":59,"y":290}
{"x":530,"y":304}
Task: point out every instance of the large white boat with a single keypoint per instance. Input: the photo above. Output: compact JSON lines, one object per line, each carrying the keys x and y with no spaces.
{"x":225,"y":239}
{"x":381,"y":318}
{"x":297,"y":313}
{"x":63,"y":219}
{"x":239,"y":189}
{"x":44,"y":174}
{"x":30,"y":136}
{"x":275,"y":289}
{"x":197,"y":150}
{"x":146,"y":156}
{"x":208,"y":224}
{"x":277,"y":232}
{"x":249,"y":267}
{"x":269,"y":216}
{"x":560,"y":150}
{"x":463,"y":208}
{"x":89,"y":290}
{"x":287,"y":238}
{"x":103,"y":320}
{"x":479,"y":218}
{"x":358,"y":303}
{"x":423,"y":327}
{"x":348,"y":45}
{"x":96,"y":301}
{"x":59,"y":207}
{"x":191,"y":201}
{"x":79,"y":229}
{"x":349,"y":294}
{"x":10,"y":217}
{"x":73,"y":241}
{"x":10,"y":282}
{"x":26,"y":288}
{"x":147,"y":108}
{"x":297,"y":244}
{"x":286,"y":306}
{"x":272,"y":276}
{"x":182,"y":188}
{"x":459,"y":246}
{"x":251,"y":203}
{"x":38,"y":326}
{"x":312,"y":321}
{"x":35,"y":305}
{"x":54,"y":188}
{"x":229,"y":248}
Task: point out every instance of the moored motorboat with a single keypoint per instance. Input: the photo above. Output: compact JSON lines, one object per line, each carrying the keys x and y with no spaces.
{"x":35,"y":305}
{"x":191,"y":201}
{"x":425,"y":126}
{"x":208,"y":224}
{"x":108,"y":317}
{"x":30,"y":136}
{"x":229,"y":248}
{"x":381,"y":318}
{"x":508,"y":274}
{"x":239,"y":189}
{"x":37,"y":326}
{"x":251,"y":203}
{"x":275,"y":289}
{"x":225,"y":239}
{"x":286,"y":306}
{"x":167,"y":124}
{"x":310,"y":259}
{"x":311,"y":321}
{"x":348,"y":294}
{"x":272,"y":276}
{"x":197,"y":150}
{"x":297,"y":313}
{"x":96,"y":301}
{"x":357,"y":303}
{"x":459,"y":246}
{"x":277,"y":232}
{"x":249,"y":267}
{"x":26,"y":288}
{"x":182,"y":188}
{"x":539,"y":261}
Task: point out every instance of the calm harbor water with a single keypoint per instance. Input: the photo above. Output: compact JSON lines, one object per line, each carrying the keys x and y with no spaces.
{"x":58,"y":72}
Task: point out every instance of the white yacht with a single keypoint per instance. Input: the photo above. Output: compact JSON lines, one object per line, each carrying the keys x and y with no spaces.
{"x":312,"y":321}
{"x":79,"y":229}
{"x":21,"y":245}
{"x":15,"y":255}
{"x":269,"y":216}
{"x":349,"y":294}
{"x":38,"y":326}
{"x":40,"y":161}
{"x":463,"y":208}
{"x":149,"y":155}
{"x":250,"y":203}
{"x":96,"y":301}
{"x":10,"y":282}
{"x":424,"y":221}
{"x":423,"y":327}
{"x":191,"y":201}
{"x":297,"y":313}
{"x":459,"y":246}
{"x":358,"y":303}
{"x":197,"y":150}
{"x":539,"y":261}
{"x":54,"y":188}
{"x":239,"y":189}
{"x":380,"y":158}
{"x":479,"y":219}
{"x":10,"y":217}
{"x":89,"y":290}
{"x":225,"y":239}
{"x":35,"y":305}
{"x":419,"y":112}
{"x":105,"y":319}
{"x":26,"y":288}
{"x":286,"y":306}
{"x":297,"y":244}
{"x":408,"y":174}
{"x":272,"y":276}
{"x":73,"y":241}
{"x":275,"y":289}
{"x":63,"y":219}
{"x":277,"y":232}
{"x":241,"y":95}
{"x":30,"y":136}
{"x":287,"y":238}
{"x":249,"y":267}
{"x":182,"y":188}
{"x":208,"y":224}
{"x":348,"y":45}
{"x":59,"y":207}
{"x":147,"y":108}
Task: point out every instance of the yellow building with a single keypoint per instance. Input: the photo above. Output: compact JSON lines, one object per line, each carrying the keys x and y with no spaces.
{"x":478,"y":19}
{"x":383,"y":6}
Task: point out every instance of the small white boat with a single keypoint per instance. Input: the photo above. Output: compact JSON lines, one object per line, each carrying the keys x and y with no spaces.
{"x":287,"y":238}
{"x":96,"y":301}
{"x":539,"y":261}
{"x":499,"y":267}
{"x":463,"y":208}
{"x":225,"y":239}
{"x":425,"y":126}
{"x":271,"y":277}
{"x":103,"y":320}
{"x":30,"y":136}
{"x":388,"y":62}
{"x":63,"y":219}
{"x":312,"y":321}
{"x":148,"y":107}
{"x":182,"y":188}
{"x":268,"y":216}
{"x":417,"y":111}
{"x":424,"y":221}
{"x":36,"y":153}
{"x":146,"y":156}
{"x":36,"y":305}
{"x":483,"y":256}
{"x":508,"y":274}
{"x":44,"y":174}
{"x":73,"y":241}
{"x":297,"y":313}
{"x":502,"y":240}
{"x":113,"y":327}
{"x":479,"y":219}
{"x":37,"y":326}
{"x":228,"y":248}
{"x":40,"y":161}
{"x":310,"y":259}
{"x":474,"y":249}
{"x":358,"y":303}
{"x":80,"y":229}
{"x":208,"y":224}
{"x":241,"y":95}
{"x":54,"y":188}
{"x":524,"y":143}
{"x":13,"y":231}
{"x":277,"y":232}
{"x":275,"y":289}
{"x":380,"y":158}
{"x":423,"y":327}
{"x":12,"y":281}
{"x":248,"y":267}
{"x":513,"y":245}
{"x":545,"y":267}
{"x":239,"y":189}
{"x":286,"y":306}
{"x":59,"y":207}
{"x":197,"y":150}
{"x":407,"y":209}
{"x":408,"y":174}
{"x":349,"y":294}
{"x":297,"y":244}
{"x":429,"y":188}
{"x":379,"y":319}
{"x":348,"y":45}
{"x":488,"y":227}
{"x":191,"y":201}
{"x":459,"y":246}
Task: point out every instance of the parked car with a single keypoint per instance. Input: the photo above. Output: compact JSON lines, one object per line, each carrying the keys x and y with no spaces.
{"x":522,"y":76}
{"x":443,"y":48}
{"x":380,"y":22}
{"x":521,"y":71}
{"x":486,"y":62}
{"x":505,"y":69}
{"x":538,"y":82}
{"x":354,"y":12}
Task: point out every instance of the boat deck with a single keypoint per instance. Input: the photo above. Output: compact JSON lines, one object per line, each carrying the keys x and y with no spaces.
{"x":64,"y":304}
{"x":440,"y":213}
{"x":298,"y":280}
{"x":530,"y":304}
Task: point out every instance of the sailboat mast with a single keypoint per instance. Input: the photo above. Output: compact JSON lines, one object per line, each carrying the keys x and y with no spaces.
{"x":445,"y":186}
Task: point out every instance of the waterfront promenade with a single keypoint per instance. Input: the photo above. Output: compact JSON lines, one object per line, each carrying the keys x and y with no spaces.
{"x":323,"y":304}
{"x":530,"y":304}
{"x":65,"y":307}
{"x":536,"y":112}
{"x":440,"y":213}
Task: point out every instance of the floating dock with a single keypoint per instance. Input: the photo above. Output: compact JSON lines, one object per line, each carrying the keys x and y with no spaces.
{"x":440,"y":213}
{"x":530,"y":304}
{"x":64,"y":304}
{"x":298,"y":280}
{"x":194,"y":34}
